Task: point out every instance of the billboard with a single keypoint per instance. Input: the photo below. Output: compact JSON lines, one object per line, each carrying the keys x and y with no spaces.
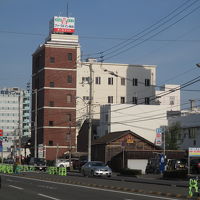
{"x":194,"y":152}
{"x":62,"y":25}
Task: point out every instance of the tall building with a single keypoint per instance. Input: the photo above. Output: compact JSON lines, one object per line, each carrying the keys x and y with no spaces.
{"x":54,"y":91}
{"x":14,"y":117}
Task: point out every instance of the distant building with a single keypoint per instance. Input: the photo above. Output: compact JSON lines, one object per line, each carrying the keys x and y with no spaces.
{"x":14,"y":117}
{"x":140,"y":119}
{"x":169,"y":95}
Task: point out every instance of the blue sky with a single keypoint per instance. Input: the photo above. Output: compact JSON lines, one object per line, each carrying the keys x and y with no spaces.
{"x":101,"y":25}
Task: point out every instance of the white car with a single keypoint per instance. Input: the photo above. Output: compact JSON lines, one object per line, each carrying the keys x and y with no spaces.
{"x":63,"y":163}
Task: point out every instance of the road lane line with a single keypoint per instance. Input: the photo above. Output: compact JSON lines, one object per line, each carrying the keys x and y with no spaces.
{"x":19,"y":188}
{"x":43,"y":195}
{"x":93,"y":188}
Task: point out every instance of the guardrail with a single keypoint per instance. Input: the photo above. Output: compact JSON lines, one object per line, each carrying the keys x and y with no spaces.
{"x":15,"y":169}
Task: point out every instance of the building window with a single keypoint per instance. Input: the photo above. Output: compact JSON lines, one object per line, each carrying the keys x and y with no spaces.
{"x":134,"y":100}
{"x":52,"y":59}
{"x":86,"y":98}
{"x":69,"y":117}
{"x":98,"y":80}
{"x":69,"y":79}
{"x":69,"y":98}
{"x":69,"y":56}
{"x":171,"y":100}
{"x":147,"y":100}
{"x":123,"y":81}
{"x":110,"y":81}
{"x":85,"y":79}
{"x":50,"y":142}
{"x":147,"y":82}
{"x":51,"y":103}
{"x":110,"y":99}
{"x":122,"y":99}
{"x":106,"y":117}
{"x":51,"y":84}
{"x":135,"y":81}
{"x":192,"y":133}
{"x":50,"y":123}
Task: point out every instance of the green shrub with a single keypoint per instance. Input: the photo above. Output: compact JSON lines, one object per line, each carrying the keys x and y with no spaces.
{"x":182,"y":174}
{"x":130,"y":172}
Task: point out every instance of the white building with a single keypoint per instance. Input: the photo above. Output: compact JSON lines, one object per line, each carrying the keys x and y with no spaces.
{"x":169,"y":95}
{"x":14,"y":116}
{"x":140,"y":119}
{"x":190,"y":129}
{"x":113,"y":84}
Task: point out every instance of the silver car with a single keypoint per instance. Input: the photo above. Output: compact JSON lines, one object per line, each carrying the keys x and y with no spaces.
{"x":96,"y":168}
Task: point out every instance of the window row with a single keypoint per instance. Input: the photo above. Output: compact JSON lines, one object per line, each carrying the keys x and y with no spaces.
{"x":8,"y":121}
{"x":68,"y":118}
{"x":111,"y":81}
{"x":8,"y":127}
{"x":8,"y":101}
{"x":8,"y":108}
{"x":69,"y":98}
{"x":69,"y":57}
{"x":9,"y":114}
{"x":69,"y":79}
{"x":134,"y":100}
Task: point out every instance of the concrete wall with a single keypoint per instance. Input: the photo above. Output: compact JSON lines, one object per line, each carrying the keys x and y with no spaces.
{"x":137,"y":164}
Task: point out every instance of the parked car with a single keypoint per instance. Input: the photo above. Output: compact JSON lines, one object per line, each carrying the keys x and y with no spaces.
{"x":195,"y":166}
{"x":63,"y":163}
{"x":176,"y":164}
{"x":39,"y":163}
{"x":96,"y":168}
{"x":8,"y":161}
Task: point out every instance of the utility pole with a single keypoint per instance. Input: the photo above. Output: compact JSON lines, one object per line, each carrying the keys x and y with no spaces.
{"x":90,"y":113}
{"x":19,"y":128}
{"x":35,"y":124}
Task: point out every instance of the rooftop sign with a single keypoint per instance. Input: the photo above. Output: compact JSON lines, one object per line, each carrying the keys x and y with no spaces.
{"x":62,"y":25}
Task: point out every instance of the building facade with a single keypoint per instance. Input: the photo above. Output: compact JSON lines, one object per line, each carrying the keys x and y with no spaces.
{"x":169,"y":95}
{"x":113,"y":83}
{"x":14,"y":118}
{"x":54,"y":95}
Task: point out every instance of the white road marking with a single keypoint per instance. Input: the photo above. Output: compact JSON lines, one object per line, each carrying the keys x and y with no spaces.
{"x":43,"y":195}
{"x":93,"y":188}
{"x":47,"y":187}
{"x":15,"y":187}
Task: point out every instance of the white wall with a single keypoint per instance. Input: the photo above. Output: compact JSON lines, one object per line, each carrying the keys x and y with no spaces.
{"x":141,"y":119}
{"x":137,"y":164}
{"x":172,"y":99}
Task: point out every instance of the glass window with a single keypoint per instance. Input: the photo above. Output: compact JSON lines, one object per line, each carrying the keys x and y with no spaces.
{"x":147,"y":82}
{"x":110,"y":99}
{"x":135,"y":81}
{"x":69,"y":79}
{"x":51,"y":84}
{"x":122,"y":99}
{"x":52,"y":59}
{"x":135,"y":100}
{"x":147,"y":100}
{"x":110,"y":81}
{"x":98,"y":80}
{"x":51,"y":103}
{"x":50,"y":123}
{"x":69,"y":98}
{"x":69,"y":56}
{"x":69,"y":117}
{"x":123,"y":81}
{"x":50,"y":143}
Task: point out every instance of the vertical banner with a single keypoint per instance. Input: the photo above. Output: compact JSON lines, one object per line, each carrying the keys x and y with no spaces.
{"x":1,"y":140}
{"x":158,"y":141}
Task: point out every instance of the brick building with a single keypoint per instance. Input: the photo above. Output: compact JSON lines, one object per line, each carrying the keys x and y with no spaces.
{"x":54,"y":86}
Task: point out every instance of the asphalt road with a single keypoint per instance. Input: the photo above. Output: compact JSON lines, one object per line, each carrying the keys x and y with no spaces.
{"x":22,"y":188}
